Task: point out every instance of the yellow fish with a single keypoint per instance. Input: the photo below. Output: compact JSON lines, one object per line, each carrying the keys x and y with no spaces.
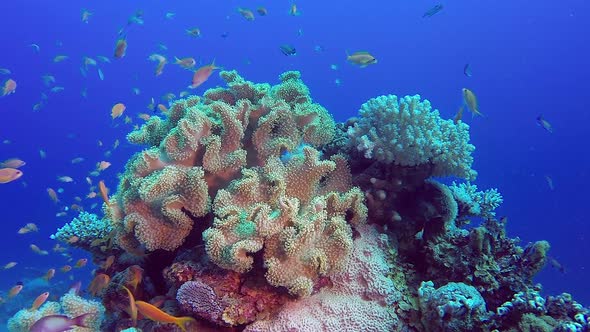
{"x":471,"y":101}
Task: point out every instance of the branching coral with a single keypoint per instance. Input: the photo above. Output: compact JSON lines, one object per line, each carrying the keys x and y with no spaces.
{"x":476,"y":203}
{"x":407,"y":132}
{"x":87,"y":227}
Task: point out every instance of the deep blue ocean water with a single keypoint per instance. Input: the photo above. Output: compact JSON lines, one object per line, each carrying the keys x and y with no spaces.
{"x":527,"y":58}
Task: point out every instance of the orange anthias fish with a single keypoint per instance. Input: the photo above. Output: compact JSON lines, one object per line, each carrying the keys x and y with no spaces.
{"x":53,"y":195}
{"x":157,"y":315}
{"x":136,"y":276}
{"x":81,"y":262}
{"x":186,"y":63}
{"x":39,"y":301}
{"x":12,"y":163}
{"x":202,"y":75}
{"x":9,"y":87}
{"x":100,"y":282}
{"x":132,"y":305}
{"x":118,"y":110}
{"x":9,"y":174}
{"x":49,"y":275}
{"x":471,"y":101}
{"x":104,"y":192}
{"x":246,"y":13}
{"x":103,"y":165}
{"x":14,"y":291}
{"x":121,"y":47}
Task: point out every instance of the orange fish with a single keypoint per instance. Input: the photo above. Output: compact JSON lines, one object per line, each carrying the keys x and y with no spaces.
{"x":132,"y":305}
{"x":118,"y":110}
{"x":53,"y":195}
{"x":81,"y":262}
{"x":39,"y":301}
{"x":100,"y":282}
{"x":108,"y":262}
{"x":246,"y":13}
{"x":9,"y":87}
{"x":12,"y":163}
{"x":66,"y":268}
{"x":103,"y":165}
{"x":136,"y":276}
{"x":120,"y":48}
{"x":104,"y":192}
{"x":49,"y":275}
{"x":186,"y":63}
{"x":38,"y":250}
{"x":161,"y":60}
{"x":157,"y":315}
{"x":14,"y":291}
{"x":162,"y":108}
{"x":9,"y":174}
{"x":202,"y":74}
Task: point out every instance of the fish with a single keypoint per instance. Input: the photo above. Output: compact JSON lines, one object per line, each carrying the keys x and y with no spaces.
{"x":60,"y":58}
{"x":65,"y":268}
{"x":432,"y":11}
{"x":194,"y":32}
{"x":103,"y":58}
{"x":132,"y":305}
{"x":293,"y":11}
{"x":136,"y":276}
{"x":4,"y":71}
{"x":120,"y":47}
{"x":86,"y":15}
{"x":38,"y":250}
{"x":549,"y":182}
{"x":39,"y":301}
{"x":186,"y":63}
{"x":81,"y":263}
{"x":51,"y":272}
{"x":467,"y":70}
{"x":169,"y":15}
{"x":98,"y":284}
{"x":246,"y":13}
{"x":544,"y":123}
{"x":470,"y":101}
{"x":202,"y":74}
{"x":9,"y":87}
{"x":10,"y":265}
{"x":162,"y":108}
{"x":30,"y":227}
{"x":101,"y":166}
{"x":100,"y":74}
{"x":262,"y":11}
{"x":117,"y":110}
{"x":104,"y":192}
{"x":556,"y":264}
{"x":12,"y":163}
{"x":77,"y":160}
{"x":288,"y":50}
{"x":459,"y":115}
{"x":65,"y":179}
{"x":15,"y":290}
{"x":35,"y":47}
{"x":161,"y":63}
{"x":53,"y":195}
{"x":361,"y":58}
{"x":154,"y":313}
{"x":58,"y":323}
{"x":108,"y":262}
{"x":9,"y":174}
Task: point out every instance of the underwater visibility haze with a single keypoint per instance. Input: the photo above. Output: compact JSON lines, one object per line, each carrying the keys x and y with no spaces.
{"x":294,"y":166}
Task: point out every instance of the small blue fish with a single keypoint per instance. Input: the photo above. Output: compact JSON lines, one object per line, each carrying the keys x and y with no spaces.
{"x":544,"y":123}
{"x":432,"y":11}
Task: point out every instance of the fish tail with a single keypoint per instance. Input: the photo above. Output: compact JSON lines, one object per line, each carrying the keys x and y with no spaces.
{"x":79,"y":320}
{"x":183,"y":321}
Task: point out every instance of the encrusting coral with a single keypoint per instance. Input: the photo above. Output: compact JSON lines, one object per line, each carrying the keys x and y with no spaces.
{"x":250,"y":209}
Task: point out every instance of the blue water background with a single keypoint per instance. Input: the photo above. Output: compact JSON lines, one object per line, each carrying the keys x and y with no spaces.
{"x":528,"y":58}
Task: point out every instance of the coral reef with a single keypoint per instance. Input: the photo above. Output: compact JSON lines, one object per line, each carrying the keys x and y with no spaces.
{"x":71,"y":305}
{"x":250,"y":209}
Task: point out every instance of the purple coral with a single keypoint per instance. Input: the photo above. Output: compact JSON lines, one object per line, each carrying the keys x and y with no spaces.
{"x":200,"y":299}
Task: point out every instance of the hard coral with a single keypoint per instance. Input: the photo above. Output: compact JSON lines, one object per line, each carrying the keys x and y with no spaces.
{"x":407,"y":132}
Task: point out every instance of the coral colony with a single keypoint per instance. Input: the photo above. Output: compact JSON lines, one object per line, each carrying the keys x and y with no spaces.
{"x":251,"y":209}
